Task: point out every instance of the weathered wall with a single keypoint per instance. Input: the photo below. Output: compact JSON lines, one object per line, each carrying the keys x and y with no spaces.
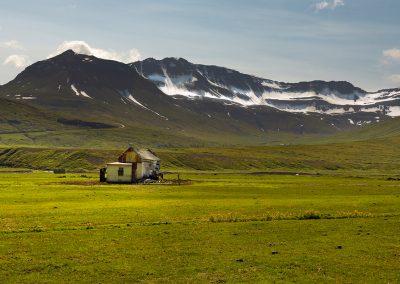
{"x":145,"y":169}
{"x":112,"y":173}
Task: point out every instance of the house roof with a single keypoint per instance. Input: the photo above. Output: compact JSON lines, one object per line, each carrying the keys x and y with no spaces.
{"x":143,"y":154}
{"x":147,"y":154}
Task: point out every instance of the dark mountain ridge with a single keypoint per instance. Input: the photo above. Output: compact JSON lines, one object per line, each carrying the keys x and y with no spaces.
{"x":177,"y":97}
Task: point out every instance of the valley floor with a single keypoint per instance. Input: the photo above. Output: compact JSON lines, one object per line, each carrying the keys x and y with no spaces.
{"x":218,"y":228}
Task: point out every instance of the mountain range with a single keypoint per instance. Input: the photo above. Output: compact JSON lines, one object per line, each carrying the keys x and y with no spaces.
{"x":173,"y":97}
{"x":178,"y":77}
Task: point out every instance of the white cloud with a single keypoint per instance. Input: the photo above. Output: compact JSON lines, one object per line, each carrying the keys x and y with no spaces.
{"x":13,"y":44}
{"x":395,"y":78}
{"x":321,"y":6}
{"x":392,"y":54}
{"x":133,"y":55}
{"x":16,"y":60}
{"x":328,"y":5}
{"x":337,"y":3}
{"x":84,"y":48}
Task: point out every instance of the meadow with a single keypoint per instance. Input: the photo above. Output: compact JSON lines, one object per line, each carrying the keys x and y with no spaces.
{"x":216,"y":227}
{"x":375,"y":157}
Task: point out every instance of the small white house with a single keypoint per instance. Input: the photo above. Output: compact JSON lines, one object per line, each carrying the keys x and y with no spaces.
{"x":133,"y":165}
{"x":119,"y":172}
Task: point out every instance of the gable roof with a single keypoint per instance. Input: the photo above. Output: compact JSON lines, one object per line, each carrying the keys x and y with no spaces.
{"x":147,"y":154}
{"x":143,"y":154}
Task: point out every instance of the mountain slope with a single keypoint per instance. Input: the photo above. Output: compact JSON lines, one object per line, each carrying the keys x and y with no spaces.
{"x":17,"y":117}
{"x":177,"y":76}
{"x":86,"y":88}
{"x":387,"y":130}
{"x":79,"y":81}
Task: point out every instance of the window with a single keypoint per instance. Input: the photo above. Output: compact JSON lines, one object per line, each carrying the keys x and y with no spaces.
{"x":120,"y":172}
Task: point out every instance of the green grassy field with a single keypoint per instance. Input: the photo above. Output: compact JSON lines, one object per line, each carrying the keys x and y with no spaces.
{"x":220,"y":227}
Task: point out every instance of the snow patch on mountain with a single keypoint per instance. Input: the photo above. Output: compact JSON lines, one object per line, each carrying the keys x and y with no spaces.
{"x":271,"y":84}
{"x":173,"y":86}
{"x":131,"y":98}
{"x":372,"y":109}
{"x":172,"y":90}
{"x":127,"y":95}
{"x":253,"y":99}
{"x":75,"y":90}
{"x":334,"y":98}
{"x":249,"y":98}
{"x":83,"y":93}
{"x":393,"y":111}
{"x":80,"y":93}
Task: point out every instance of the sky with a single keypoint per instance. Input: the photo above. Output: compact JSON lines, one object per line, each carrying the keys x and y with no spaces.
{"x":285,"y":40}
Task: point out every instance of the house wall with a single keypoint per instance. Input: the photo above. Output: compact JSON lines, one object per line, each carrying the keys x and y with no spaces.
{"x":139,"y":171}
{"x":145,"y":169}
{"x":112,"y":174}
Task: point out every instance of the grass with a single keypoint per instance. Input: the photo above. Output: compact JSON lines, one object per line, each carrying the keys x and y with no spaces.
{"x":25,"y":125}
{"x":373,"y":157}
{"x":222,"y":227}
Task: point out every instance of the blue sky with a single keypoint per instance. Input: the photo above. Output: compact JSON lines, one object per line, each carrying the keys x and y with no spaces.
{"x":286,"y":40}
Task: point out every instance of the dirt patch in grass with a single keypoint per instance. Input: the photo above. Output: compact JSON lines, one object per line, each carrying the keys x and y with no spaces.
{"x":81,"y":182}
{"x":14,"y":170}
{"x":96,"y":182}
{"x":284,"y":173}
{"x":174,"y":182}
{"x":309,"y":215}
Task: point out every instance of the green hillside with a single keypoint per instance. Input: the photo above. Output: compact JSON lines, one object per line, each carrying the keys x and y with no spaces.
{"x":36,"y":126}
{"x":380,"y":155}
{"x":30,"y":126}
{"x":387,"y":128}
{"x":16,"y":117}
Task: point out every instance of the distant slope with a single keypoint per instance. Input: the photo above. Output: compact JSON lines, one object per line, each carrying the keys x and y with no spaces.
{"x":21,"y":124}
{"x":387,"y":129}
{"x":50,"y":159}
{"x":373,"y":156}
{"x":16,"y":117}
